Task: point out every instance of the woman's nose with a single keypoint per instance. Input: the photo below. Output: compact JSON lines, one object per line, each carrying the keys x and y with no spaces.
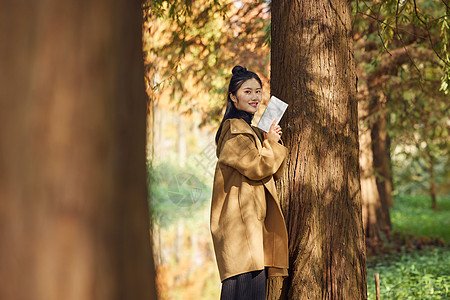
{"x":256,"y":97}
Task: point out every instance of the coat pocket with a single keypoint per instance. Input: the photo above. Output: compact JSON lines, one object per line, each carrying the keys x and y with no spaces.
{"x":260,"y":202}
{"x":252,"y":202}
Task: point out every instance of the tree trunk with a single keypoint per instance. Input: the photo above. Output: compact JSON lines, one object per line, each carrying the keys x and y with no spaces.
{"x":181,"y":139}
{"x":375,"y":213}
{"x":381,"y":153}
{"x":74,"y":215}
{"x":374,"y":193}
{"x":432,"y":184}
{"x":313,"y":69}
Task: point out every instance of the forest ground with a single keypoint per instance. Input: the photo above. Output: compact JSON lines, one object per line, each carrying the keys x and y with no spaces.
{"x":420,"y":267}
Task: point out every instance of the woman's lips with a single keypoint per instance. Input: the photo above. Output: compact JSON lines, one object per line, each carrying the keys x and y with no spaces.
{"x":253,"y":104}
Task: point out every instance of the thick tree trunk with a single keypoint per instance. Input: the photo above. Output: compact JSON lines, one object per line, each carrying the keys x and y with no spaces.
{"x":313,"y":70}
{"x":74,"y":216}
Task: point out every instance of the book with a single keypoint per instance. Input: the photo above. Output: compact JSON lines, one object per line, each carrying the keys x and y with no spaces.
{"x":275,"y":110}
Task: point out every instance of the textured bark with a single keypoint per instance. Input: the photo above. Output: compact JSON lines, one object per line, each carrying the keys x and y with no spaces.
{"x":74,"y":218}
{"x":313,"y":69}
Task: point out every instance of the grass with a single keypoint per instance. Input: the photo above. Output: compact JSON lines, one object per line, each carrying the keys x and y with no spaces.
{"x":419,"y":274}
{"x":413,"y":215}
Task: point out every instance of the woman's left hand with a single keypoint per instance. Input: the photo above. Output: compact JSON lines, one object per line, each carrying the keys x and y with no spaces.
{"x":274,"y":133}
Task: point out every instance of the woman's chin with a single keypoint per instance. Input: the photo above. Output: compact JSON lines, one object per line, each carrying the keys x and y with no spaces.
{"x":252,"y":109}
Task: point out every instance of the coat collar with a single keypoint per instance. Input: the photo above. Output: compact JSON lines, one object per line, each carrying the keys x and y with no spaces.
{"x":238,"y":126}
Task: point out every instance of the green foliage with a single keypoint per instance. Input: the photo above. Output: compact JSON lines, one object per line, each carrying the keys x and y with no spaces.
{"x":419,"y":275}
{"x":414,"y":215}
{"x":417,"y":24}
{"x":411,"y":174}
{"x":176,"y":192}
{"x":420,"y":139}
{"x":401,"y":48}
{"x":444,"y":45}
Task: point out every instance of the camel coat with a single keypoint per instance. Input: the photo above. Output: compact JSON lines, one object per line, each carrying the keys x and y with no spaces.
{"x":247,"y":225}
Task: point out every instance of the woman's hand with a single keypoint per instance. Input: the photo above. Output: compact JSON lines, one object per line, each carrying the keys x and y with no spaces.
{"x":274,"y":133}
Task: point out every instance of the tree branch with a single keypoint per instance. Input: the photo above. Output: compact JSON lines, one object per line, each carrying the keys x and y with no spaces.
{"x":387,"y":25}
{"x":403,"y":44}
{"x":429,"y":35}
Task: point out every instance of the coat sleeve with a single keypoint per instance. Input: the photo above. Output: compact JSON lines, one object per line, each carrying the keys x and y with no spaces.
{"x":280,"y":170}
{"x":240,"y":153}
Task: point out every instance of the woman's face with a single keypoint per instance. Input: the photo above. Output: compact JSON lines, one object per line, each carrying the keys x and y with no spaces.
{"x":248,"y":96}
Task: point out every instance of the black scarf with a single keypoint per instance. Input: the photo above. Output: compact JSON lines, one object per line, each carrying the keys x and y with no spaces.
{"x":240,"y":114}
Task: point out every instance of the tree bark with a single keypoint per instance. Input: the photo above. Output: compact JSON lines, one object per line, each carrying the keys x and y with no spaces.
{"x":313,"y":70}
{"x":74,"y":220}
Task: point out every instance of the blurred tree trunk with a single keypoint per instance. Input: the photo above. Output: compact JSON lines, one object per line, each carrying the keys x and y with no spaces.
{"x":374,"y":154}
{"x":181,"y":139}
{"x":313,"y":70}
{"x":375,"y":212}
{"x":432,"y":182}
{"x":74,"y":216}
{"x":371,"y":208}
{"x":381,"y":153}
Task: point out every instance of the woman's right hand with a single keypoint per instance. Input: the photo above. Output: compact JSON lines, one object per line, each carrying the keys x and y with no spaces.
{"x":274,"y":133}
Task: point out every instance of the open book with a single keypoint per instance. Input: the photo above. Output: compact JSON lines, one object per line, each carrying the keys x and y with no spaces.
{"x":274,"y":110}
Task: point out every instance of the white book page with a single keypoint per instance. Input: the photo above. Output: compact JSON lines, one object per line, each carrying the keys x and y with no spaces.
{"x":274,"y":110}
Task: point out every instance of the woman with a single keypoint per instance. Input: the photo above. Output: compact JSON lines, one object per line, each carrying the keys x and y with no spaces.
{"x":247,"y":225}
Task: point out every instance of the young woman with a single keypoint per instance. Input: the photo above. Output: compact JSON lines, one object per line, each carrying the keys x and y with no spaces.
{"x":247,"y":225}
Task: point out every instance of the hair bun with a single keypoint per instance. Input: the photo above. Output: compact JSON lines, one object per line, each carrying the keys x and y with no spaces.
{"x":238,"y":69}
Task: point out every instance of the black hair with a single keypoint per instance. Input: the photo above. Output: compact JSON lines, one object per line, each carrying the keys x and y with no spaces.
{"x":240,"y":75}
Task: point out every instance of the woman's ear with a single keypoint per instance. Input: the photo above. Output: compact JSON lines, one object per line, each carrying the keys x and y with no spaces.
{"x":233,"y":98}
